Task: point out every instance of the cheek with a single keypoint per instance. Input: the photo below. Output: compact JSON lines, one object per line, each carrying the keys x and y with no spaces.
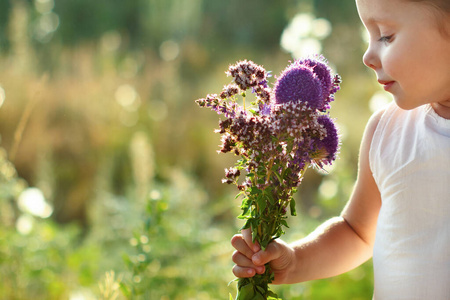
{"x":400,"y":62}
{"x":393,"y":65}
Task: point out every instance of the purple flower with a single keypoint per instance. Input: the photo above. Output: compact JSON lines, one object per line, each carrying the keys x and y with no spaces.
{"x":330,"y":84}
{"x":298,"y":83}
{"x":323,"y":72}
{"x":229,"y":91}
{"x":247,"y":74}
{"x":264,"y":109}
{"x":329,"y":144}
{"x":308,"y":80}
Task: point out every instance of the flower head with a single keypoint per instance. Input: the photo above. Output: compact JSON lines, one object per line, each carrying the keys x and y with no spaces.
{"x":329,"y":145}
{"x":247,"y":74}
{"x":322,"y":72}
{"x":298,"y":83}
{"x":307,"y":80}
{"x":229,"y":91}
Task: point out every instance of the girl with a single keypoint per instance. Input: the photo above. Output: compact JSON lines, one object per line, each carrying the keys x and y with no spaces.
{"x":399,"y":211}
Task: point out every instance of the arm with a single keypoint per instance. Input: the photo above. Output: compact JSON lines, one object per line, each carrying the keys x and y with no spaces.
{"x":335,"y":247}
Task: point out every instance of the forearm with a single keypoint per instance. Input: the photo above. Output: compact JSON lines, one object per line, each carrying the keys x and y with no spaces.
{"x":332,"y":249}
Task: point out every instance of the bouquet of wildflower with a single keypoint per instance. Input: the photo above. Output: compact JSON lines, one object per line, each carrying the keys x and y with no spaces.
{"x":277,"y":137}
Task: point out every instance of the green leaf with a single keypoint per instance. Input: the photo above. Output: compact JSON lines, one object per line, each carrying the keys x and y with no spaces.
{"x":246,"y":292}
{"x":260,"y":289}
{"x":275,"y":171}
{"x":264,"y":244}
{"x":261,"y":200}
{"x":257,"y":193}
{"x":254,"y":227}
{"x":246,"y":225}
{"x":269,"y":196}
{"x":259,"y":297}
{"x":272,"y":295}
{"x":246,"y":204}
{"x":292,"y":207}
{"x":262,"y":205}
{"x":254,"y":234}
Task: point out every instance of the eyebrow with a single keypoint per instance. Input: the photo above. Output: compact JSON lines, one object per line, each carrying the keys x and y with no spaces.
{"x":376,"y":20}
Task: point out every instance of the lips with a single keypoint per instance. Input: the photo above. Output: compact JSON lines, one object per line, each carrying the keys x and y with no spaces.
{"x":386,"y":84}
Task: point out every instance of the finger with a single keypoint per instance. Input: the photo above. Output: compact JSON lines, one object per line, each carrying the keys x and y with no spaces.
{"x":242,"y":272}
{"x":247,"y":234}
{"x":242,"y":261}
{"x":244,"y":267}
{"x":237,"y":241}
{"x":273,"y":251}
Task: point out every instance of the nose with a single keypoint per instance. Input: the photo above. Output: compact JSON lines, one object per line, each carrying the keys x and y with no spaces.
{"x":371,"y":58}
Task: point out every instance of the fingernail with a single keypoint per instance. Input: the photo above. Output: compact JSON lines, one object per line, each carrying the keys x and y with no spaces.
{"x":260,"y":269}
{"x":249,"y":271}
{"x":255,"y":248}
{"x":256,"y":259}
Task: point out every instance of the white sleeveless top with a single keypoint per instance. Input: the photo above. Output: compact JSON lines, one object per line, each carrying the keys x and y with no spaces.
{"x":410,"y":161}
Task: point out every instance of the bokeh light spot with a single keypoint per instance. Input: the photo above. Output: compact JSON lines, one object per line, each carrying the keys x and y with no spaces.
{"x":32,"y":201}
{"x":111,"y":40}
{"x":24,"y":224}
{"x":126,"y":95}
{"x":2,"y":96}
{"x":44,"y":6}
{"x":45,"y":26}
{"x":328,"y":189}
{"x":321,"y":28}
{"x":169,"y":50}
{"x":303,"y":34}
{"x":379,"y":100}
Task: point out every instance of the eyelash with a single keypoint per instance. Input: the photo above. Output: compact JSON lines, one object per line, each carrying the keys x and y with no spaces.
{"x":385,"y":39}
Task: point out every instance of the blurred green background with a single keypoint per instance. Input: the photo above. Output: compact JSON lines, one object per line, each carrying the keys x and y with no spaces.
{"x":109,"y":177}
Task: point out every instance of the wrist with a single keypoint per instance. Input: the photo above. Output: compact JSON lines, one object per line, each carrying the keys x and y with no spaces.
{"x":289,"y":270}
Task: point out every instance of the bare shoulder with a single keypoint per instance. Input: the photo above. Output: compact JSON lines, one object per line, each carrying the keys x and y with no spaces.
{"x":372,"y":125}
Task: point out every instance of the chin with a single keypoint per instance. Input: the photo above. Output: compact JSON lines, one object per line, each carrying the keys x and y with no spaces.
{"x":404,"y":104}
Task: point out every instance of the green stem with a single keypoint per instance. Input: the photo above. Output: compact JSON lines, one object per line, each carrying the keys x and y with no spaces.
{"x":270,"y":170}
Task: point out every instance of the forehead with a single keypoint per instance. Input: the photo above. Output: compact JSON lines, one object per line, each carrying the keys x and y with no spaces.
{"x":376,"y":10}
{"x":420,"y":16}
{"x":392,"y":11}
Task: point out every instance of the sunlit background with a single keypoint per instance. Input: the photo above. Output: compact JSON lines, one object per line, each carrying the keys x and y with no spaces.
{"x":110,"y":183}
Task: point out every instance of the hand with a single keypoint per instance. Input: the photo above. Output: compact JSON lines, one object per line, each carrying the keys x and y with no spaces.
{"x":250,"y":259}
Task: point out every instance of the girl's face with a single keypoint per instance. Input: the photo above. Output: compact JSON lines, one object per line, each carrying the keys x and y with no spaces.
{"x":408,"y":52}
